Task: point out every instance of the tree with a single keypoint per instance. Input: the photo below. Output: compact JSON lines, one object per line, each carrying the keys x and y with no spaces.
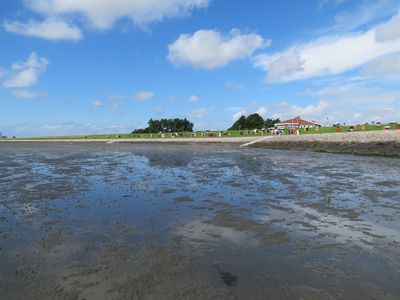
{"x":255,"y":121}
{"x":167,"y":125}
{"x":241,"y":123}
{"x":268,"y":123}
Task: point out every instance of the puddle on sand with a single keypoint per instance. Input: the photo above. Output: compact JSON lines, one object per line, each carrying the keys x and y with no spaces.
{"x":187,"y":222}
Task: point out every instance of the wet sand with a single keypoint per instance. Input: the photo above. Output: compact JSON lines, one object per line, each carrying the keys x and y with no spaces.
{"x":135,"y":221}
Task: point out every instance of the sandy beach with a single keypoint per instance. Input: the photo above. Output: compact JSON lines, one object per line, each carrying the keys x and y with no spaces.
{"x":382,"y":143}
{"x":385,"y":143}
{"x":205,"y":140}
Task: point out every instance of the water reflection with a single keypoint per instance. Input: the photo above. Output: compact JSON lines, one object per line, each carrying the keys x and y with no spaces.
{"x":115,"y":221}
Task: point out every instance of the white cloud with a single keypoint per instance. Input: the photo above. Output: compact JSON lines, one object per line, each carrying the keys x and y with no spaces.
{"x":235,"y":108}
{"x":351,"y":103}
{"x":209,"y":49}
{"x":326,"y":56}
{"x":159,"y":109}
{"x":144,"y":96}
{"x":67,"y":128}
{"x":141,"y":96}
{"x":103,"y":13}
{"x":244,"y":111}
{"x":389,"y":31}
{"x":115,"y":97}
{"x":193,"y":99}
{"x":387,"y":65}
{"x":98,"y":14}
{"x":174,"y":99}
{"x":25,"y":94}
{"x":115,"y":106}
{"x":25,"y":74}
{"x":315,"y":111}
{"x":323,"y":3}
{"x":97,"y":104}
{"x":200,"y":113}
{"x":262,"y":111}
{"x":287,"y":64}
{"x":234,"y":85}
{"x":51,"y":29}
{"x":312,"y":112}
{"x":370,"y":11}
{"x":238,"y":114}
{"x":286,"y":110}
{"x":253,"y":103}
{"x":354,"y":94}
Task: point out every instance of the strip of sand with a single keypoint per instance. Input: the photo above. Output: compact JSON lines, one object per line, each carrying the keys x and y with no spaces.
{"x":384,"y":143}
{"x":205,"y":140}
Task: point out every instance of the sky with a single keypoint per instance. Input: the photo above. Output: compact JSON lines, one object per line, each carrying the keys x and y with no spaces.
{"x":108,"y":66}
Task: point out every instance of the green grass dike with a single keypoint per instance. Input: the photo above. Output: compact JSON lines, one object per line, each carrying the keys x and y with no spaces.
{"x":211,"y":133}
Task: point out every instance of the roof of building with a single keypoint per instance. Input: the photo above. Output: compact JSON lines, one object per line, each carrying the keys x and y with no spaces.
{"x":299,"y":121}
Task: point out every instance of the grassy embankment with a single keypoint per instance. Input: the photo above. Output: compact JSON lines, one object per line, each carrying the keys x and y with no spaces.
{"x":230,"y":133}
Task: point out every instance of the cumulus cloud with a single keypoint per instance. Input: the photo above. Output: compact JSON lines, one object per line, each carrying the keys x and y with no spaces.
{"x":51,"y":29}
{"x":141,"y":96}
{"x":239,"y":111}
{"x":262,"y":111}
{"x":68,"y":128}
{"x":97,"y":104}
{"x":209,"y":49}
{"x":369,"y":12}
{"x":328,"y":56}
{"x":200,"y":113}
{"x":26,"y":73}
{"x":159,"y":109}
{"x":387,"y":65}
{"x":315,"y":111}
{"x":194,"y":99}
{"x":115,"y":97}
{"x":349,"y":103}
{"x":235,"y":108}
{"x":234,"y":85}
{"x":26,"y":94}
{"x":354,"y":94}
{"x":115,"y":106}
{"x":238,"y":114}
{"x":144,"y":96}
{"x":99,"y":14}
{"x":284,"y":65}
{"x":253,"y":103}
{"x":389,"y":31}
{"x":358,"y":104}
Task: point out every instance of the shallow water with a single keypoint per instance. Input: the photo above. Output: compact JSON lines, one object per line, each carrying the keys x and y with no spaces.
{"x":115,"y":221}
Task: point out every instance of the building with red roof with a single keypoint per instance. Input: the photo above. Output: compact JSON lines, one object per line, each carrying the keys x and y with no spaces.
{"x":296,"y":123}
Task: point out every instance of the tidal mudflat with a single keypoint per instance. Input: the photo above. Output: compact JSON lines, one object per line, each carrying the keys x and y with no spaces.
{"x":128,"y":221}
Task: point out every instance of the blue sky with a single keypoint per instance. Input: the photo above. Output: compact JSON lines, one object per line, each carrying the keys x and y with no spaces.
{"x":96,"y":66}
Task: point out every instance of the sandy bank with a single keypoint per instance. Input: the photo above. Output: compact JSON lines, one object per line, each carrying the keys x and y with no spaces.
{"x":210,"y":140}
{"x":385,"y":143}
